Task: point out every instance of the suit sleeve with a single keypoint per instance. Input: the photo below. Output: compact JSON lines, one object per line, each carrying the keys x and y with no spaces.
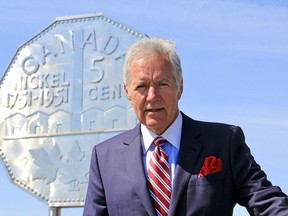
{"x":95,"y":203}
{"x":253,"y":190}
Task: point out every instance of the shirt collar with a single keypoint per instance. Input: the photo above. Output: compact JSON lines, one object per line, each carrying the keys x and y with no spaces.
{"x":172,"y":134}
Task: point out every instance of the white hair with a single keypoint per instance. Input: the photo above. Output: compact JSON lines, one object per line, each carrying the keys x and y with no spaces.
{"x":151,"y":47}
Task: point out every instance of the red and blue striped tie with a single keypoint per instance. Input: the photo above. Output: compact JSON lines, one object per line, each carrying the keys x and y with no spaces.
{"x":159,"y":178}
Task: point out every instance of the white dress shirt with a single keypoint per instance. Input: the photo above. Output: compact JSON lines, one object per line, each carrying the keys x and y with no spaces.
{"x":171,"y":148}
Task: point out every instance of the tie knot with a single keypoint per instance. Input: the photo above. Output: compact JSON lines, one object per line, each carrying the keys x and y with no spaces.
{"x":159,"y":140}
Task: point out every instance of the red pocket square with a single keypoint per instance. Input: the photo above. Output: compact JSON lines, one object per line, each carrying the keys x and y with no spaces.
{"x":211,"y":165}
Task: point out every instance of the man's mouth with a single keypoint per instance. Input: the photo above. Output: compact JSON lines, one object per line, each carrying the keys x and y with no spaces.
{"x":154,"y":110}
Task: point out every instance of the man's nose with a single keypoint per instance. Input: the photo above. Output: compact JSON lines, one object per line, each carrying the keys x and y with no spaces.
{"x":152,"y":93}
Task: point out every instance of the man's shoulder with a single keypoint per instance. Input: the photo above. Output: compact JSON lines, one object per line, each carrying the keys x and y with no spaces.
{"x":122,"y":137}
{"x":208,"y":125}
{"x":215,"y":125}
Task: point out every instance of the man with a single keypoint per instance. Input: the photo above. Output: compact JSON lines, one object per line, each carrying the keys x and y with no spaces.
{"x":170,"y":164}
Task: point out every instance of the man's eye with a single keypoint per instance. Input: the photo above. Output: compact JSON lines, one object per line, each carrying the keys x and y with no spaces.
{"x":163,"y":84}
{"x":140,"y":86}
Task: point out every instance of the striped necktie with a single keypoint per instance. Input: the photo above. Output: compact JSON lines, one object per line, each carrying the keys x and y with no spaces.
{"x":159,"y":178}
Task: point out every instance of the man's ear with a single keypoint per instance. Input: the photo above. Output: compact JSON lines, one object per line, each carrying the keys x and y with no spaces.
{"x":180,"y":89}
{"x":127,"y":92}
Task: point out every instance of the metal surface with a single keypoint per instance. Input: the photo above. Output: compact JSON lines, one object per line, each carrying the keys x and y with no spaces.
{"x":61,"y":95}
{"x":54,"y":211}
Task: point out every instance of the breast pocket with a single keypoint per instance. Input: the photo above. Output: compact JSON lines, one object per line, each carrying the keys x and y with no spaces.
{"x":213,"y":179}
{"x":209,"y":195}
{"x":206,"y":191}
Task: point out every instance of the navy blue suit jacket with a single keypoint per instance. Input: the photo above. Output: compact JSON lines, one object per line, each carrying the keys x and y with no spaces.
{"x":118,"y":184}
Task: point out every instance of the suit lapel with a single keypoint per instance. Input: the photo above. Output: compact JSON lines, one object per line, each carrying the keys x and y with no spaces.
{"x":189,"y":151}
{"x":133,"y":158}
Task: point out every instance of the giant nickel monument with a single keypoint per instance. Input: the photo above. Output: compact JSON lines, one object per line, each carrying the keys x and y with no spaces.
{"x":61,"y":95}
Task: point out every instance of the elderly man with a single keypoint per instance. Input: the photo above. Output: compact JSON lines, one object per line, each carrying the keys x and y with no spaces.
{"x":170,"y":164}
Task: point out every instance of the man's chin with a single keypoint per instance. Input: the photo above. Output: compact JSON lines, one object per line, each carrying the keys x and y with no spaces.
{"x":155,"y":126}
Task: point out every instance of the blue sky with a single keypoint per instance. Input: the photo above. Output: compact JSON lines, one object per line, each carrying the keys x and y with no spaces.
{"x":234,"y":58}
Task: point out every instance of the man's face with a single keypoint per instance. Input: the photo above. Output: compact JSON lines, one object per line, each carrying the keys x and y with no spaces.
{"x":153,"y":92}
